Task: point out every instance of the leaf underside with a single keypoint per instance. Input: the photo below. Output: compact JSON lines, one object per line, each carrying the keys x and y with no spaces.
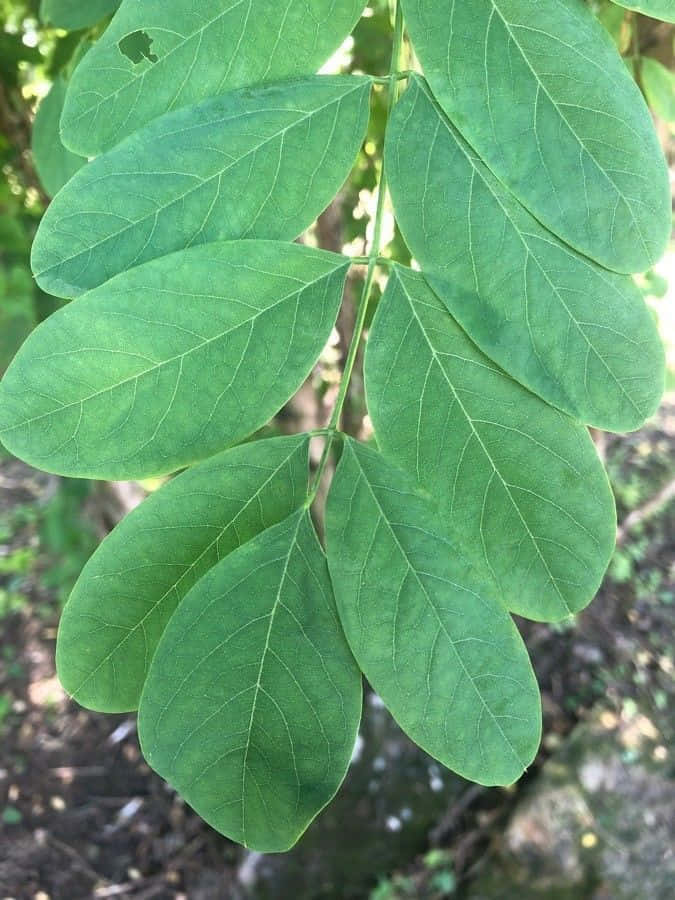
{"x":253,"y":700}
{"x":161,"y":366}
{"x":579,"y":336}
{"x":519,"y":484}
{"x":425,"y":629}
{"x":541,"y":94}
{"x":260,"y":163}
{"x":133,"y":583}
{"x":140,"y":68}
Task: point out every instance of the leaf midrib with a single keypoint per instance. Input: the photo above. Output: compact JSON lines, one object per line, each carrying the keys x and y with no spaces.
{"x":258,"y":685}
{"x":441,"y":624}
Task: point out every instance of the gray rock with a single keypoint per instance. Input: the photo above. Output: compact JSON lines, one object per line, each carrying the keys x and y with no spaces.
{"x":596,"y":824}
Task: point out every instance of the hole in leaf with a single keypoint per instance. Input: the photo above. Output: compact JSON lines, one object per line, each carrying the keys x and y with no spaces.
{"x":136,"y":47}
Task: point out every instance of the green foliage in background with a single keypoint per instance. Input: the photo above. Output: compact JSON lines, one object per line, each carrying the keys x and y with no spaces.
{"x":54,"y":163}
{"x":528,"y":184}
{"x":659,"y":9}
{"x":74,"y":14}
{"x":659,"y":87}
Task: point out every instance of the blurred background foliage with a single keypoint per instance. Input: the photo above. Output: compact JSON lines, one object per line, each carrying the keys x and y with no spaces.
{"x":81,"y":816}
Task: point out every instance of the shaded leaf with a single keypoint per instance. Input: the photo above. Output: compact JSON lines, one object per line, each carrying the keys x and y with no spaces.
{"x":172,"y":361}
{"x":255,"y":163}
{"x":133,"y":583}
{"x":543,"y":97}
{"x":579,"y":336}
{"x":659,"y":86}
{"x":54,"y":164}
{"x":75,"y":14}
{"x":425,"y":629}
{"x":141,"y":68}
{"x":253,"y":700}
{"x":518,"y":483}
{"x":657,"y":9}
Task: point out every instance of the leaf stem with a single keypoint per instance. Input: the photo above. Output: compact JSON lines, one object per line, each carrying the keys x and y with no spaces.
{"x":365,"y":260}
{"x":401,"y":75}
{"x":373,"y":259}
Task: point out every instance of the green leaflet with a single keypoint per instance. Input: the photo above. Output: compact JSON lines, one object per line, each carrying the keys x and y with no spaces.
{"x":518,"y":483}
{"x":75,"y":14}
{"x":659,"y":86}
{"x":253,"y":700}
{"x":54,"y":164}
{"x":256,"y":163}
{"x":430,"y":638}
{"x":657,"y":9}
{"x":579,"y":336}
{"x":172,"y":361}
{"x":141,"y":68}
{"x":131,"y":586}
{"x":539,"y":91}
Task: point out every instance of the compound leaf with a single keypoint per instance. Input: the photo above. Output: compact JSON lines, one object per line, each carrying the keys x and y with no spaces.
{"x":256,"y":163}
{"x":426,"y":631}
{"x":253,"y":700}
{"x":519,"y":484}
{"x":133,"y":583}
{"x":54,"y":164}
{"x":172,"y":361}
{"x":74,"y":14}
{"x":657,"y":9}
{"x":579,"y":336}
{"x":141,"y":68}
{"x":543,"y":97}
